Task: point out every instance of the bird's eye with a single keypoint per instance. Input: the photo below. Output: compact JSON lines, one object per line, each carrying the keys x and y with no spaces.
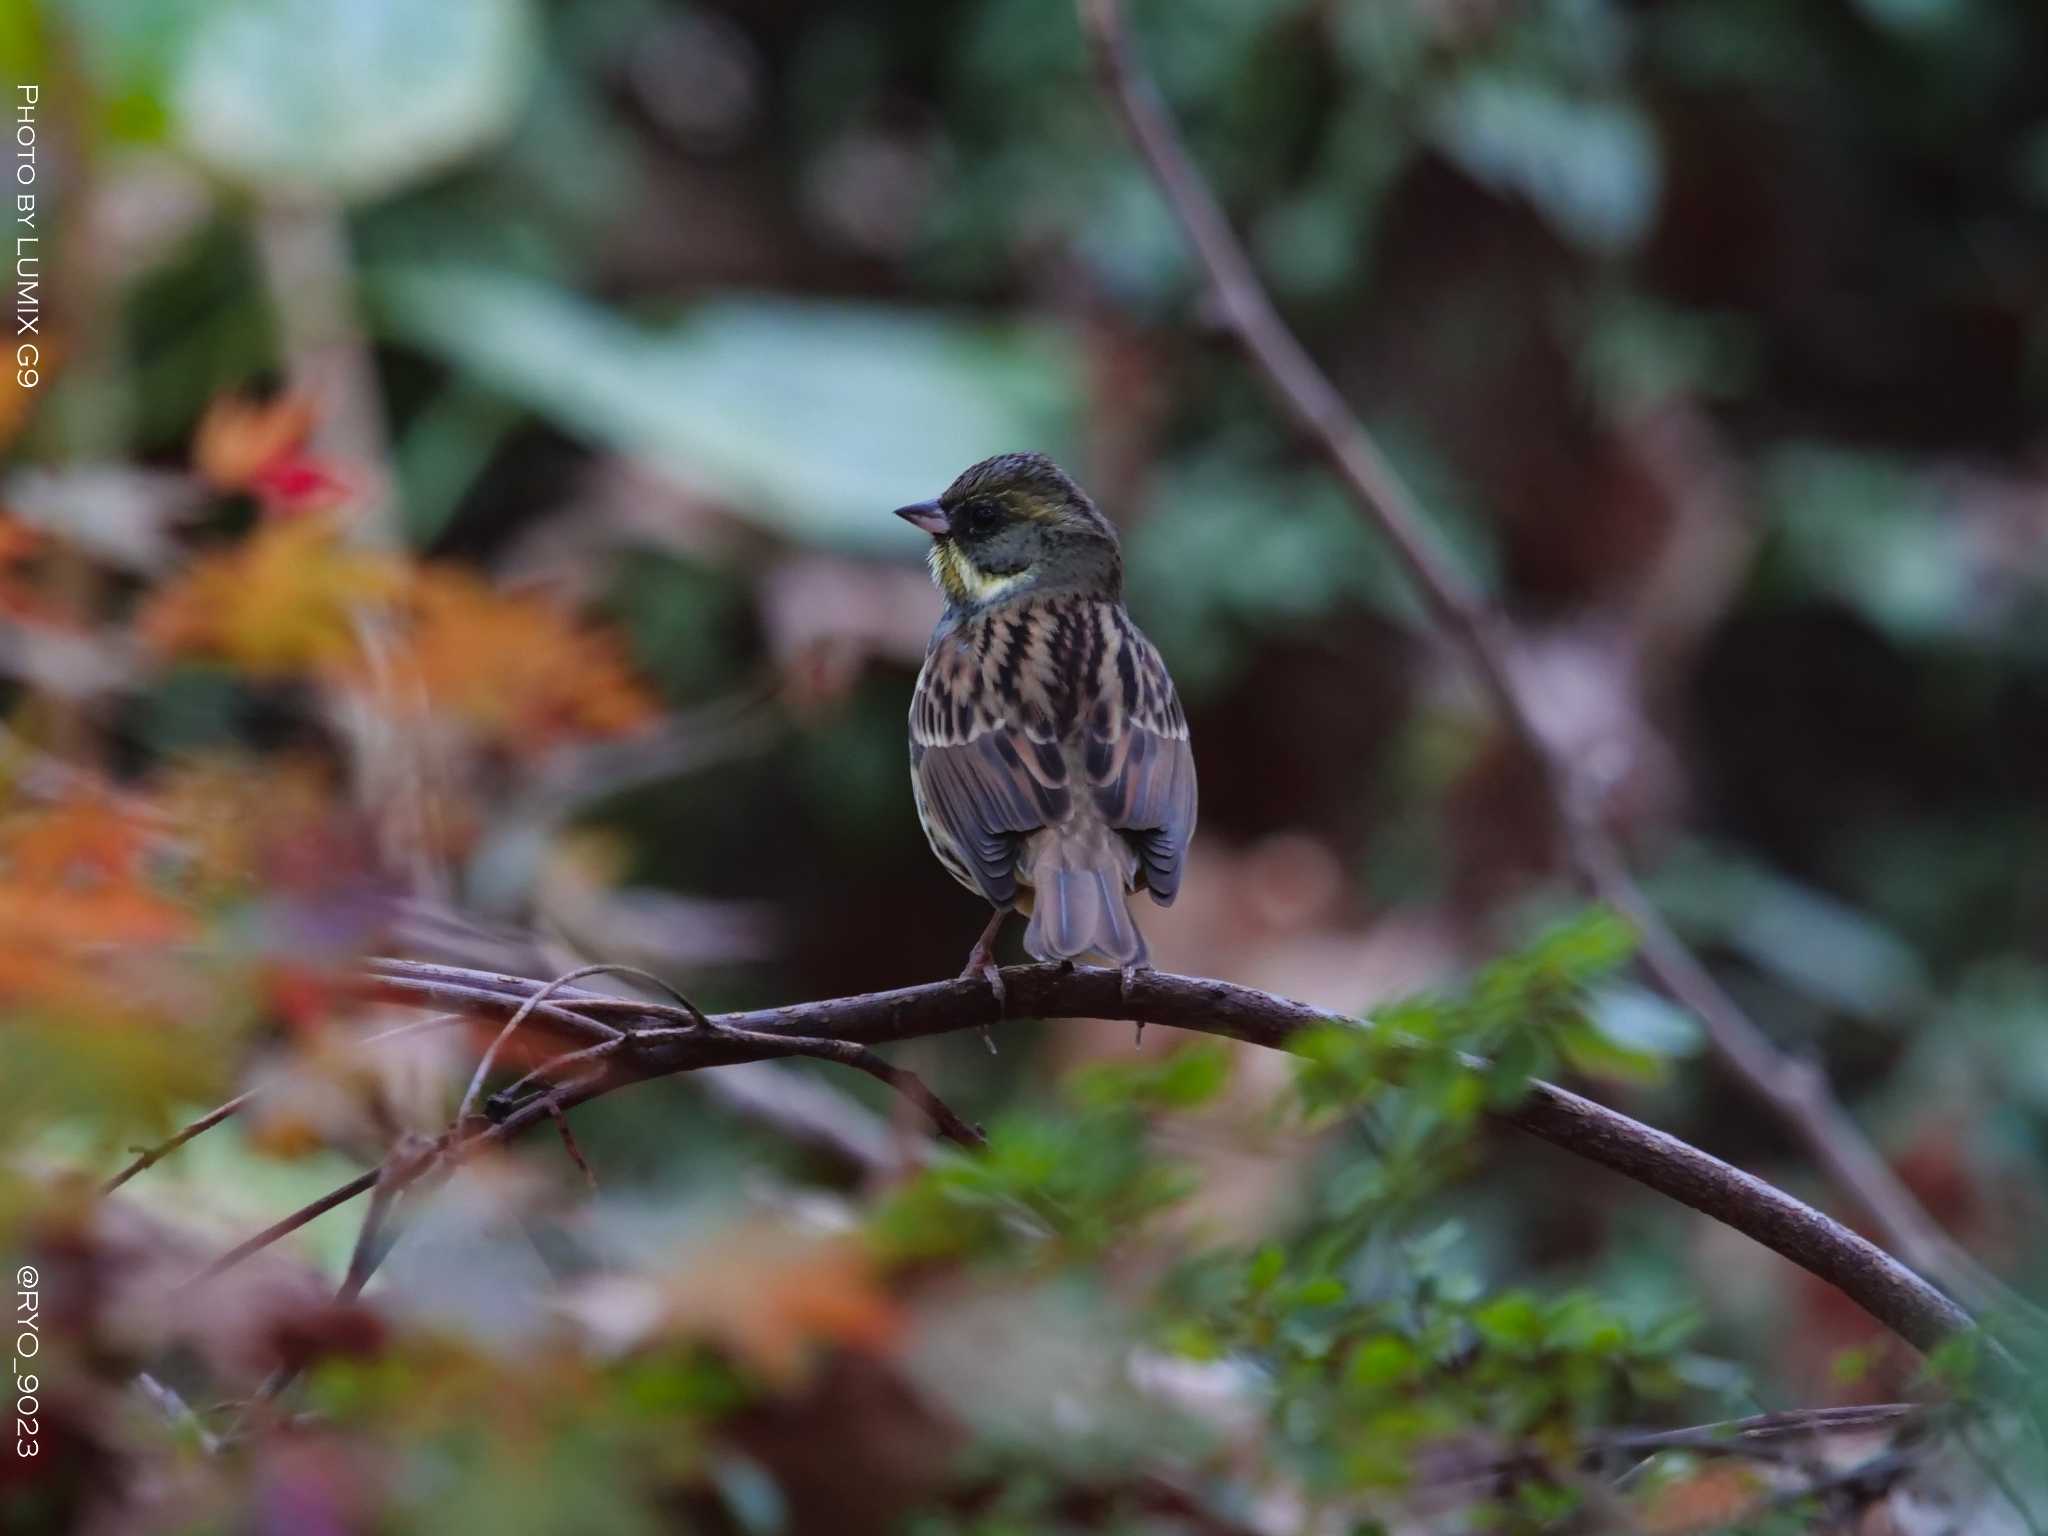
{"x":979,"y":517}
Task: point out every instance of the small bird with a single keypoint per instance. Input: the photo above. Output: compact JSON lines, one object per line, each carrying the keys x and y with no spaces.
{"x":1048,"y":751}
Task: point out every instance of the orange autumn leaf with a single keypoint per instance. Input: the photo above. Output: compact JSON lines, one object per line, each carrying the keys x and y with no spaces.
{"x":74,"y":878}
{"x":764,"y":1293}
{"x":18,"y":541}
{"x":19,"y":544}
{"x":518,"y":670}
{"x":238,"y":438}
{"x":282,"y":601}
{"x":240,"y":818}
{"x":1712,"y":1497}
{"x":18,"y":401}
{"x":259,"y":446}
{"x":77,"y":843}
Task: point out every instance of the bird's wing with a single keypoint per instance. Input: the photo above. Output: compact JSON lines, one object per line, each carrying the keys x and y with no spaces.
{"x":1140,"y":768}
{"x":988,"y":770}
{"x":999,"y":695}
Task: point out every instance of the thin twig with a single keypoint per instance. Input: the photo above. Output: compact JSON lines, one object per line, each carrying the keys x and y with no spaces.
{"x":861,"y":1059}
{"x":548,"y":1072}
{"x":635,"y":973}
{"x":445,"y":1152}
{"x":575,"y":1152}
{"x":414,"y":984}
{"x":392,"y":1176}
{"x":149,"y":1157}
{"x":376,"y":1238}
{"x":176,"y":1411}
{"x":1796,"y":1092}
{"x":283,"y":1228}
{"x":483,"y":1067}
{"x":1740,"y":1436}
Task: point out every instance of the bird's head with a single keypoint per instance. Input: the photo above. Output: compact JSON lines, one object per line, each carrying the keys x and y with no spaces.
{"x":1013,"y":524}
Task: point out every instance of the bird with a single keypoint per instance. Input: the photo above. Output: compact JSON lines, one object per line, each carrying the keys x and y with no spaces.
{"x":1049,"y":753}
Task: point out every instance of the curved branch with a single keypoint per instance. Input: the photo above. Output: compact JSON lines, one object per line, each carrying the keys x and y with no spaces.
{"x":1797,"y":1093}
{"x":1875,"y":1281}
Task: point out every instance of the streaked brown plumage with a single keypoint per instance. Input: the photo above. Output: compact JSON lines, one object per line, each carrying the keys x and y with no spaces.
{"x":1049,"y":754}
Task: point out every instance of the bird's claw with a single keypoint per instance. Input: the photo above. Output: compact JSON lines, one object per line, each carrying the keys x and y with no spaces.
{"x":981,"y":965}
{"x":981,"y":962}
{"x":994,"y":978}
{"x":1125,"y":976}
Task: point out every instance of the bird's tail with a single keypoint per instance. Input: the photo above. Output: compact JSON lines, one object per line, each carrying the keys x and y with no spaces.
{"x":1078,"y":905}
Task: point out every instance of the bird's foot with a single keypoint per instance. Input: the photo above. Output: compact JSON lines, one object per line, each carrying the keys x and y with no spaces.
{"x":983,"y":968}
{"x":1125,"y":977}
{"x":981,"y":962}
{"x":994,"y":978}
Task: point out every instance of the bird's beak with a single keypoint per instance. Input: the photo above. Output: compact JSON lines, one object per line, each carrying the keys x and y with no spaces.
{"x":929,"y":516}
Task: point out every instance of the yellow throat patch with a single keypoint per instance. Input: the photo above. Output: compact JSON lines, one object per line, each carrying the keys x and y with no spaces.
{"x":963,"y":581}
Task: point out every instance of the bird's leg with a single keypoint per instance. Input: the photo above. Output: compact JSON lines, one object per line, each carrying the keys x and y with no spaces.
{"x":981,"y":961}
{"x":1124,"y":977}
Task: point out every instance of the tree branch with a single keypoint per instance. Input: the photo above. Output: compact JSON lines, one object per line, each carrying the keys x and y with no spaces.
{"x":661,"y":1041}
{"x":1796,"y":1092}
{"x":1742,"y":1437}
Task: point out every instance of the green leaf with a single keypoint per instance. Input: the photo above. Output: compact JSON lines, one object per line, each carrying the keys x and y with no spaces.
{"x":1186,"y":1079}
{"x":1339,"y":1067}
{"x":1914,"y":17}
{"x":129,"y":49}
{"x":1523,"y":1056}
{"x":1825,"y":948}
{"x":1852,"y":1367}
{"x":1512,"y":1322}
{"x":1582,"y":949}
{"x":352,"y":101}
{"x":1596,"y":1054}
{"x":1955,"y":1362}
{"x":1382,"y":1361}
{"x":1323,"y":1291}
{"x":1589,"y":167}
{"x":442,"y":453}
{"x":1871,"y":530}
{"x":1637,"y":1019}
{"x":814,"y":418}
{"x":1264,"y":1268}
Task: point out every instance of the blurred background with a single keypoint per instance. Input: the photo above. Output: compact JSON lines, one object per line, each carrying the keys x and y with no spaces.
{"x":599,"y":339}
